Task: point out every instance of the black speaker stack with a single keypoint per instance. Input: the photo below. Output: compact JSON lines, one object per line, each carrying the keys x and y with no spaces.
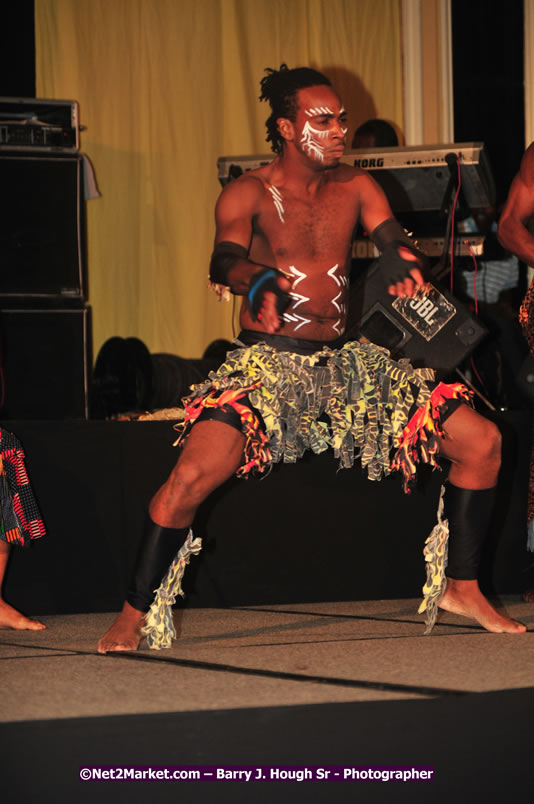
{"x":45,"y":321}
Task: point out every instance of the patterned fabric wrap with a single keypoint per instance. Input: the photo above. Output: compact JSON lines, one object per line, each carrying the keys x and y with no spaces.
{"x":355,"y":400}
{"x":526,"y":316}
{"x":20,"y":519}
{"x":526,"y":319}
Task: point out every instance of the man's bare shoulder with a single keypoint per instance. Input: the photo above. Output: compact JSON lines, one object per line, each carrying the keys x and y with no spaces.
{"x":247,"y":190}
{"x":251,"y":182}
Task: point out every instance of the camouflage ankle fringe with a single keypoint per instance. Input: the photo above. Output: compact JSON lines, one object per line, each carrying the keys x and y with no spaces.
{"x":159,"y":626}
{"x":435,"y":554}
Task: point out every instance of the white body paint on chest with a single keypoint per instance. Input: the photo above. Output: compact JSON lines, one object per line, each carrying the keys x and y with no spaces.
{"x":278,"y":201}
{"x":342,"y":282}
{"x":291,"y":316}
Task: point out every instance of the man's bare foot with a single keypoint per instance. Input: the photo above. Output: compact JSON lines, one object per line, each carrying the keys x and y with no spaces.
{"x":465,"y":598}
{"x":11,"y":618}
{"x":125,"y":633}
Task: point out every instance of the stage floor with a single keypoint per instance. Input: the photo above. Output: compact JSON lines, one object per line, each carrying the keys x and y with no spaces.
{"x":261,"y":656}
{"x":351,"y":684}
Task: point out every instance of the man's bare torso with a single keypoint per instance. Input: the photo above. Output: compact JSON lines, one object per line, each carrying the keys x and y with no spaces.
{"x":307,"y":237}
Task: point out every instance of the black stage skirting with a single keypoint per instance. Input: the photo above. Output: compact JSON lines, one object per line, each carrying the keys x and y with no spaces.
{"x":477,"y":745}
{"x":304,"y":533}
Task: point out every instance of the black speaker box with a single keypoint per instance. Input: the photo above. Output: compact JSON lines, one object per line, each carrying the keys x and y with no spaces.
{"x":42,"y":229}
{"x":45,"y":361}
{"x":434,"y":331}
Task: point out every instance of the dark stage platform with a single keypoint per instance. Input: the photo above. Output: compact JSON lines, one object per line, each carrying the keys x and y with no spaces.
{"x":311,"y":686}
{"x":304,"y":533}
{"x":318,"y":666}
{"x":476,"y":746}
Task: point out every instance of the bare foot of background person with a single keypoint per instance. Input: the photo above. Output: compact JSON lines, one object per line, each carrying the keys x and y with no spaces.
{"x":11,"y":618}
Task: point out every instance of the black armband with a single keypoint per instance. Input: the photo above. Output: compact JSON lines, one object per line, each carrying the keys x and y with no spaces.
{"x":265,"y":281}
{"x":223,"y":258}
{"x":389,"y":231}
{"x":393,"y":242}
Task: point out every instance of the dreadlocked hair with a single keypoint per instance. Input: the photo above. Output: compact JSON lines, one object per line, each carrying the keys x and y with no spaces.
{"x":279,"y":88}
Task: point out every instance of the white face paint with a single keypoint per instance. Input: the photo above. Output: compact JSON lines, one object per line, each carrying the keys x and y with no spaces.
{"x":312,"y":138}
{"x":311,"y":141}
{"x":319,"y":110}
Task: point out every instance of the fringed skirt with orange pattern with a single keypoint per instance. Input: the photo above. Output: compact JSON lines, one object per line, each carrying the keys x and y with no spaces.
{"x":355,"y":400}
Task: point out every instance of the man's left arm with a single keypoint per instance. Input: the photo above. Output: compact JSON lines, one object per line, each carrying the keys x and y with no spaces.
{"x":404,"y":263}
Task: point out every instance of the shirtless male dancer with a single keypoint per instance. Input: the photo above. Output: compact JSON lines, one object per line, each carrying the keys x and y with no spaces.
{"x":283,"y":243}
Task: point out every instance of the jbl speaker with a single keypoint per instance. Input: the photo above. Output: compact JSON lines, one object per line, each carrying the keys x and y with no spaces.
{"x":434,"y":330}
{"x":42,"y":229}
{"x":45,"y":361}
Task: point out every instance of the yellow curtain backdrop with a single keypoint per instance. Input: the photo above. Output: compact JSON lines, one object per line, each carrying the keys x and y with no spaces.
{"x":167,"y":86}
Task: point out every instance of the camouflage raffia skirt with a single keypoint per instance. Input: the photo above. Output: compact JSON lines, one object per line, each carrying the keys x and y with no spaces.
{"x":354,"y":400}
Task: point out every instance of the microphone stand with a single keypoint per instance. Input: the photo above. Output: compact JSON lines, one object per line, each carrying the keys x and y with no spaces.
{"x":447,"y":205}
{"x":468,"y":382}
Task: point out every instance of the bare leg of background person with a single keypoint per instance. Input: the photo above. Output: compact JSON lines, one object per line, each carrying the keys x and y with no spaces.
{"x":10,"y":617}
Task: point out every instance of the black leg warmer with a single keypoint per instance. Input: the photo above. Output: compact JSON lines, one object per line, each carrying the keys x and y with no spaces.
{"x":156,"y":552}
{"x":469,"y":514}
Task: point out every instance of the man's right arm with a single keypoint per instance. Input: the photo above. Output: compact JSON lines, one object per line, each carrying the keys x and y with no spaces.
{"x":265,"y":287}
{"x":513,"y":234}
{"x":234,"y":212}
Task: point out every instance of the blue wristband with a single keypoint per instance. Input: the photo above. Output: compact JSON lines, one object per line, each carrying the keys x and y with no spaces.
{"x":264,"y":276}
